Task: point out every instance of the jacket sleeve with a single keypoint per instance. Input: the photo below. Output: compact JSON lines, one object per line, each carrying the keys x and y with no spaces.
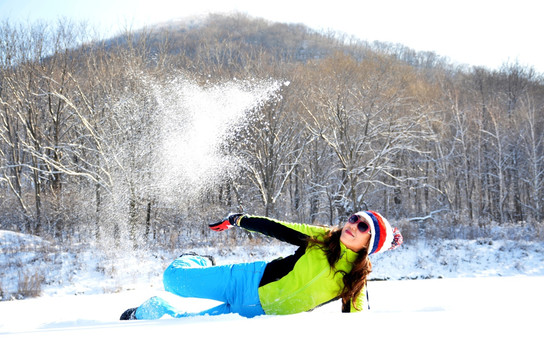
{"x":292,"y":233}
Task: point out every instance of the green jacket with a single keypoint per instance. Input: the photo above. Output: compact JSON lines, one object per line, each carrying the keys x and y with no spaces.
{"x":304,"y":280}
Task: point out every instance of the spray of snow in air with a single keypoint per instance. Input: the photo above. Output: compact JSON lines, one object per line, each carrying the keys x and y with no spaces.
{"x":197,"y":123}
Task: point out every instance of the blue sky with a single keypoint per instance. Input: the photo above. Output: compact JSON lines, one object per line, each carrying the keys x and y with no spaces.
{"x":473,"y":32}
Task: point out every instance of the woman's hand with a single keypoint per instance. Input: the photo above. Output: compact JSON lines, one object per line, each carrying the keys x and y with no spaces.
{"x":226,"y":223}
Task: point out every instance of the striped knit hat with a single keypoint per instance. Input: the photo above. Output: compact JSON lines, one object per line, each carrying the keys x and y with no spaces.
{"x":382,"y":236}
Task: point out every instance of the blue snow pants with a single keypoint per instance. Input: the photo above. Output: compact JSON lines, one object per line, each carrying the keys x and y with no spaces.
{"x":235,"y":285}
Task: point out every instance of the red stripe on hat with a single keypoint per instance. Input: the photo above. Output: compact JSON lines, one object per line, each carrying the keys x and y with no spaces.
{"x":383,"y":230}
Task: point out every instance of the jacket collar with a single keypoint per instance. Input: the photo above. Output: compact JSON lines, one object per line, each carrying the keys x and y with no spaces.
{"x":349,"y":254}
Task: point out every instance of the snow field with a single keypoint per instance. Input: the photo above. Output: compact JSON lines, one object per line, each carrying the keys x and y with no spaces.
{"x":482,"y":300}
{"x":469,"y":318}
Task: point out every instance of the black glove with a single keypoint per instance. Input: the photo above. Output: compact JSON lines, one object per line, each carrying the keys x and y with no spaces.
{"x":226,"y":223}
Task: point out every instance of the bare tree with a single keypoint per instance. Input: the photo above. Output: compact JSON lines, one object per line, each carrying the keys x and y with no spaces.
{"x":532,"y":142}
{"x":274,"y":147}
{"x":365,"y":116}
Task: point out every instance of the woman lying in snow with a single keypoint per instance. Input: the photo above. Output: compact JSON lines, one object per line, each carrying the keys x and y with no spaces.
{"x":330,"y":263}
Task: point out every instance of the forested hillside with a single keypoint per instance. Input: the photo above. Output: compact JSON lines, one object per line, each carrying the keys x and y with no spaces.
{"x":293,"y":124}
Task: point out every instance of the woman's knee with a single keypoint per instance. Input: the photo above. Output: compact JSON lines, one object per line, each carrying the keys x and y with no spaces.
{"x":174,"y":275}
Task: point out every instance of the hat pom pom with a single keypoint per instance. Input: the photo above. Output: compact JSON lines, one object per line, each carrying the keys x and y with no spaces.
{"x":397,"y":239}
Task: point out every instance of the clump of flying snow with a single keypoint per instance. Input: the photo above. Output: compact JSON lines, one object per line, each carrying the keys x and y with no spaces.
{"x":198,"y":123}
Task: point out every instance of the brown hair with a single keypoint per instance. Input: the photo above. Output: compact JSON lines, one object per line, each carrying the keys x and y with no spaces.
{"x":355,"y":280}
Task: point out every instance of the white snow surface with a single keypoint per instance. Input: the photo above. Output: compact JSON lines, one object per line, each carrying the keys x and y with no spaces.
{"x":470,"y":300}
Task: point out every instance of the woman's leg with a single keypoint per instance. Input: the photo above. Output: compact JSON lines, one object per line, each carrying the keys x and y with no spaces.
{"x":189,"y":276}
{"x":235,"y":285}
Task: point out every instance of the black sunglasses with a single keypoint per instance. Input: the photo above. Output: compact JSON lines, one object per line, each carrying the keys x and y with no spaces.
{"x":362,"y":226}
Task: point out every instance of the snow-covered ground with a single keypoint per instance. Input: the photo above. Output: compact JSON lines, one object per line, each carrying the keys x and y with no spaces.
{"x":463,"y":318}
{"x":470,"y":300}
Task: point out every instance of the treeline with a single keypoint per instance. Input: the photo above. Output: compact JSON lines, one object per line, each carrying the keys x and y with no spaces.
{"x":352,"y":126}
